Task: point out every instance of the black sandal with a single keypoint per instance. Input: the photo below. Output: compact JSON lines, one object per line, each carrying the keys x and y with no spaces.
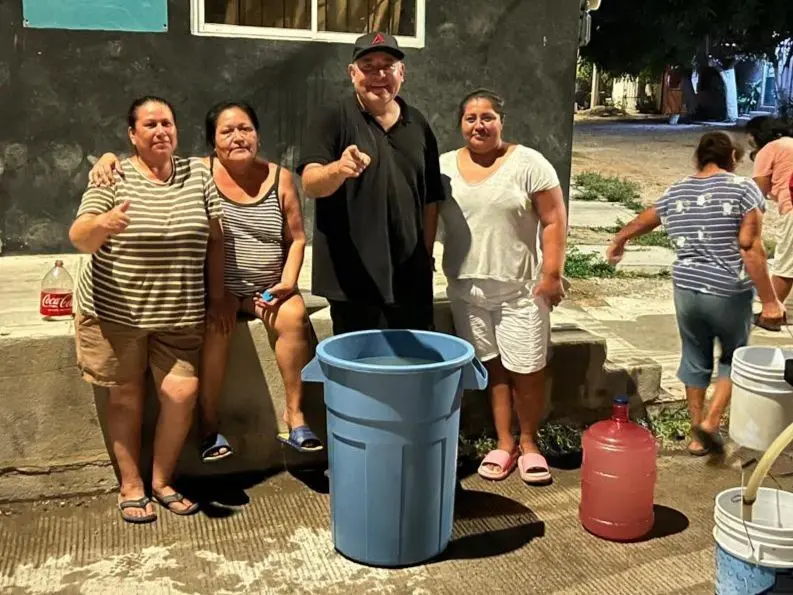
{"x":139,"y":504}
{"x":712,"y":442}
{"x":166,"y":501}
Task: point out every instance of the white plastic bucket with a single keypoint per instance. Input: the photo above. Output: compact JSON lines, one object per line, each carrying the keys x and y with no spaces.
{"x":768,"y":539}
{"x":762,"y":402}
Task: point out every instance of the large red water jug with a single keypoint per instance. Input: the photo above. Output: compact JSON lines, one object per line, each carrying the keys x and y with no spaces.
{"x":618,"y":477}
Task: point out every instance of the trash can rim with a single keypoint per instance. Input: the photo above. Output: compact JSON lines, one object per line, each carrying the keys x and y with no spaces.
{"x":325,"y":357}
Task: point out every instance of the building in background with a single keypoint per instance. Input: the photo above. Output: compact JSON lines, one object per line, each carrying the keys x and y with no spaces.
{"x":68,"y":71}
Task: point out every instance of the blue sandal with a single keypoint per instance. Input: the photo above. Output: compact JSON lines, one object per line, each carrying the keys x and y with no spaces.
{"x":211,"y":447}
{"x":302,"y":439}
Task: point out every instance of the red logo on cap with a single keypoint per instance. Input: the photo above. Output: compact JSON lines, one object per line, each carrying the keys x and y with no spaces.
{"x":378,"y":39}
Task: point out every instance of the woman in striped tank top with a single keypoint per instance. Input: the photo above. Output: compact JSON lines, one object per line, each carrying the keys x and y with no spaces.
{"x":265,"y":244}
{"x":264,"y":248}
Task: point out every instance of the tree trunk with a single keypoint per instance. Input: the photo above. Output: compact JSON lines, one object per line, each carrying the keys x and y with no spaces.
{"x":730,"y":93}
{"x":595,"y":98}
{"x":689,"y":94}
{"x":784,"y":73}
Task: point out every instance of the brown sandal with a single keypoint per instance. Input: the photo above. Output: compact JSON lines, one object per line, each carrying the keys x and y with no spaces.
{"x":774,"y":326}
{"x":697,"y":452}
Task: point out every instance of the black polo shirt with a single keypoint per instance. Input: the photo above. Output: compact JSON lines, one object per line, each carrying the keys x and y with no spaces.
{"x":369,"y":235}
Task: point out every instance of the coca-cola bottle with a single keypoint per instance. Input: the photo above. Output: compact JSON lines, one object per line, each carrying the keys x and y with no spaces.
{"x":56,"y":293}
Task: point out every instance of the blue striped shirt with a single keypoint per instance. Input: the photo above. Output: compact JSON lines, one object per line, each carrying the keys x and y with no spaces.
{"x":703,"y":217}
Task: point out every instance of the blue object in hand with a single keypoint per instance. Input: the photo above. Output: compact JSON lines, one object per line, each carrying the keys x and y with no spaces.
{"x":267,"y":296}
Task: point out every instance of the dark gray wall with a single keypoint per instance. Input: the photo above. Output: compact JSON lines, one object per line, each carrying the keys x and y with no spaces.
{"x":64,"y":94}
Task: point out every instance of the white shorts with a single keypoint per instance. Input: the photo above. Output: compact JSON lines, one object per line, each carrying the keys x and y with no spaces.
{"x":502,"y":319}
{"x":783,"y":255}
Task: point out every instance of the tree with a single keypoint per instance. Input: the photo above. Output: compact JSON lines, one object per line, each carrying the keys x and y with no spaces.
{"x":631,"y":37}
{"x":646,"y":36}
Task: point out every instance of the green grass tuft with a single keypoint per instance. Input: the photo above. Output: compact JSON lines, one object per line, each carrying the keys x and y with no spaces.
{"x":670,"y":424}
{"x":586,"y":265}
{"x":594,"y":186}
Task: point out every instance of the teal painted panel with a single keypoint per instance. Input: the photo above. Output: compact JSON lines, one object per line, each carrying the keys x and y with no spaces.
{"x":97,"y":15}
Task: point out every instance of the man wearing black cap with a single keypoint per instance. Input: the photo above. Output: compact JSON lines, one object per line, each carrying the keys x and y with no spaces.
{"x":371,"y":162}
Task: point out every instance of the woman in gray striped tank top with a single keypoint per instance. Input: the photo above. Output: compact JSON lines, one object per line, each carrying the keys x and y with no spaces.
{"x":265,"y":244}
{"x":264,"y":248}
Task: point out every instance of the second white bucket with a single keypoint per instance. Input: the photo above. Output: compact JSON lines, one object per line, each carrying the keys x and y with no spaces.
{"x":762,"y":402}
{"x":768,"y":539}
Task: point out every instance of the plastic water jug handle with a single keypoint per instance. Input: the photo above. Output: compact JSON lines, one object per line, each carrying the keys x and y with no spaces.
{"x":475,"y":376}
{"x":312,"y":372}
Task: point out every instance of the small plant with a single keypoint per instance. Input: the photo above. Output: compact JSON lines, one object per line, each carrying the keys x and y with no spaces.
{"x":586,"y":265}
{"x":475,"y":448}
{"x":558,"y":439}
{"x":597,"y":187}
{"x":784,"y":109}
{"x":483,"y":445}
{"x":658,"y":237}
{"x":748,"y":98}
{"x":670,"y":424}
{"x":655,"y":238}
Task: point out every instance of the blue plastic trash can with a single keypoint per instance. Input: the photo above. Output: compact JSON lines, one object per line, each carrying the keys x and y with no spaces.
{"x":393,"y":403}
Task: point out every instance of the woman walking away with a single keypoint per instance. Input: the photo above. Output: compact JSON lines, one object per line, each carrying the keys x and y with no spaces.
{"x":142,"y":298}
{"x":264,"y":247}
{"x":714,"y":219}
{"x":773,"y":167}
{"x":501,"y":287}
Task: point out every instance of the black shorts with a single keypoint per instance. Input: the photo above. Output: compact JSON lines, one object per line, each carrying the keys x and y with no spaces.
{"x":349,"y":317}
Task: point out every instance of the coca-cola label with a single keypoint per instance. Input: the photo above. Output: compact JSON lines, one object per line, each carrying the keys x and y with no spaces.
{"x":56,"y":304}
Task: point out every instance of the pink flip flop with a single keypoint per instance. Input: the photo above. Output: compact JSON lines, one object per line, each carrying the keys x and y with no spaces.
{"x":534,"y":469}
{"x":504,"y":460}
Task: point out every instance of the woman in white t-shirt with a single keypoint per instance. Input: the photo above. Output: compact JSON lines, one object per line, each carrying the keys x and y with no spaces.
{"x":501,"y":285}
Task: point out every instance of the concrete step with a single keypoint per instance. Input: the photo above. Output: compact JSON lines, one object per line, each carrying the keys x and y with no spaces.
{"x":650,"y":260}
{"x":53,"y":432}
{"x":597,"y":214}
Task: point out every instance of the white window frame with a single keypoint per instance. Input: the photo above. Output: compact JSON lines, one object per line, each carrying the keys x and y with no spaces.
{"x":199,"y":26}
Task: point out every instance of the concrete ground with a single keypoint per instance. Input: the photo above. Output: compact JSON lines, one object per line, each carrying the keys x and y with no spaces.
{"x":272,"y":536}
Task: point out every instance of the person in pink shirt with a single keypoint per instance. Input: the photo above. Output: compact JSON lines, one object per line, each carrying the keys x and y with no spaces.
{"x":772,"y":143}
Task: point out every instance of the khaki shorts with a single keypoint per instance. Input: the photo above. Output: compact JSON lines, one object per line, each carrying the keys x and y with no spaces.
{"x":111,"y":354}
{"x":783,"y":255}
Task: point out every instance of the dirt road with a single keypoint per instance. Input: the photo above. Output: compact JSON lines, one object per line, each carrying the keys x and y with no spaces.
{"x":649,"y":152}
